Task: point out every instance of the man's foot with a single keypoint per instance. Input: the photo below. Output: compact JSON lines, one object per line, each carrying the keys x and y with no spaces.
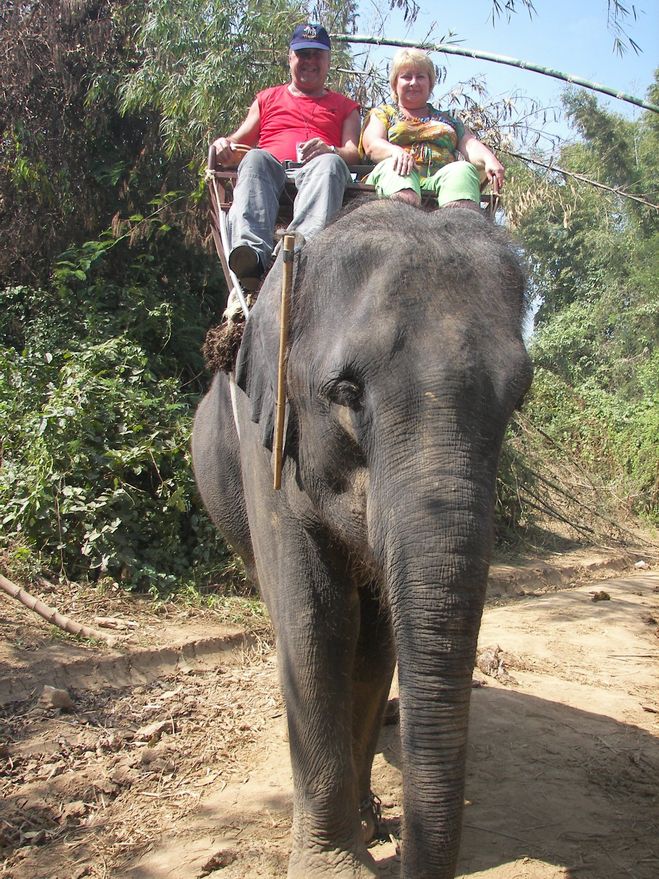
{"x":300,"y":241}
{"x":244,"y":262}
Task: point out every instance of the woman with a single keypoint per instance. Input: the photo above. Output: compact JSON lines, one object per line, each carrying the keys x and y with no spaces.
{"x":417,"y":147}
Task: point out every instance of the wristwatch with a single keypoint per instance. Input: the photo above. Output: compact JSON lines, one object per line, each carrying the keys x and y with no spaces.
{"x":333,"y":149}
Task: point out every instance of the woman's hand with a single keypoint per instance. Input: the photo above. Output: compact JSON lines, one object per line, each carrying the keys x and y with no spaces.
{"x":495,"y":172}
{"x":403,"y":162}
{"x":481,"y":156}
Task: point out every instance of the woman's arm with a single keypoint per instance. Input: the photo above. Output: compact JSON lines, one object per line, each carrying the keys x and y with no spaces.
{"x":377,"y":147}
{"x":478,"y":154}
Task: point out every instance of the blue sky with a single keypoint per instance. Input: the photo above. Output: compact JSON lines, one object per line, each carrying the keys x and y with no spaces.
{"x":569,"y":35}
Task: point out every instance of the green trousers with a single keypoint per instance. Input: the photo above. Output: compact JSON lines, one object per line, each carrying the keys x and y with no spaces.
{"x":453,"y":182}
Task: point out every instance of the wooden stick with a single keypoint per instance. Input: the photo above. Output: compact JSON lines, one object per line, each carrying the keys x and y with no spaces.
{"x":50,"y":614}
{"x":286,"y":284}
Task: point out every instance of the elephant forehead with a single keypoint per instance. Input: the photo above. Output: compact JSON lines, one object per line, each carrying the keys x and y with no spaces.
{"x":379,"y":307}
{"x":452,"y":260}
{"x":425,"y":339}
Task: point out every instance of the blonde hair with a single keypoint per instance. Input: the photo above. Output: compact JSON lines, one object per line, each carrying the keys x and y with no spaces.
{"x":415,"y":58}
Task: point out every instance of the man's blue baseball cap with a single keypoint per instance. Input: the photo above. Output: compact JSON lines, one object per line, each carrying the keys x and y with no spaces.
{"x":310,"y":36}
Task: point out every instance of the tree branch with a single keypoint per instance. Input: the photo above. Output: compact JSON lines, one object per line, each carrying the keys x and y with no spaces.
{"x":581,"y":177}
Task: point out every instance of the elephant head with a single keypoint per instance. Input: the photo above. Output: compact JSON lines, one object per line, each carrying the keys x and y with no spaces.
{"x":405,"y":364}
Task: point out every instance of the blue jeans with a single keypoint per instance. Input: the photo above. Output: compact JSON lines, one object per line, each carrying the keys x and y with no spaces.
{"x":320,"y":186}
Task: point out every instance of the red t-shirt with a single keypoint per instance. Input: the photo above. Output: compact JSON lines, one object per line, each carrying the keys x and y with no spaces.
{"x":286,"y":120}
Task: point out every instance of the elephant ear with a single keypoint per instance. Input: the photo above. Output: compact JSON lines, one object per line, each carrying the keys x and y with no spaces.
{"x":256,"y":365}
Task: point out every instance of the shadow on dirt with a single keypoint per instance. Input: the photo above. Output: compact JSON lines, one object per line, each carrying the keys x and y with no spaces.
{"x":552,"y":791}
{"x":526,"y":754}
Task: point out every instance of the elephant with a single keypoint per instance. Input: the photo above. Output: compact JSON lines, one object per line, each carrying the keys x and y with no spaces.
{"x":405,"y":363}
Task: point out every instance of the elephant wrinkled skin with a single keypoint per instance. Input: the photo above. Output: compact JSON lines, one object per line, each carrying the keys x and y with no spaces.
{"x":405,"y":364}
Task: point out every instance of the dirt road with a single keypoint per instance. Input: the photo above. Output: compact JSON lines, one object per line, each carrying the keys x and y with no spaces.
{"x":184,"y":773}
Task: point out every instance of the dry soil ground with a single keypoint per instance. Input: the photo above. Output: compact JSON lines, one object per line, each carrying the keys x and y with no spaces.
{"x":172,"y":762}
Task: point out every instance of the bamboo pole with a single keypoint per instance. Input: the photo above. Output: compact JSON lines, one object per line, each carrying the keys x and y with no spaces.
{"x":449,"y":49}
{"x":286,"y":283}
{"x":50,"y":614}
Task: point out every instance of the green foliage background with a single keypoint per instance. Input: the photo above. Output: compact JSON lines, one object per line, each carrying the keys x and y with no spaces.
{"x":108,"y":284}
{"x":108,"y":108}
{"x":99,"y":373}
{"x":595,"y":268}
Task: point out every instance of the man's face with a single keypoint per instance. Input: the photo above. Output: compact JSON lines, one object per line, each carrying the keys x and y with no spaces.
{"x":309,"y":68}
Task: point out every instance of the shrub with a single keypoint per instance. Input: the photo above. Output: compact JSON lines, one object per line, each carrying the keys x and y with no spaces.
{"x":598,"y":431}
{"x":96,"y":477}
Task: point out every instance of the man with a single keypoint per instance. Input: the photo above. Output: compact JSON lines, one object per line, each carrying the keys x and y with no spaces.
{"x":300,"y":121}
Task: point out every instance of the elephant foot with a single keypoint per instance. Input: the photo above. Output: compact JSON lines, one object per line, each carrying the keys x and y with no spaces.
{"x":332,"y":864}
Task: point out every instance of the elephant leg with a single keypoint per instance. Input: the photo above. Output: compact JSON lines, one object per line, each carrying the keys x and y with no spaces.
{"x":375,"y":660}
{"x":317,"y":622}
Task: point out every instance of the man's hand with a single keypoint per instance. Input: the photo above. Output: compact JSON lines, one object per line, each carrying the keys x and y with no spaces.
{"x":223,"y":150}
{"x":313,"y":148}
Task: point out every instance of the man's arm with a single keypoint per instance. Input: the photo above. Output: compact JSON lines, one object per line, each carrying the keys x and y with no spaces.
{"x":348,"y":150}
{"x":247,"y":132}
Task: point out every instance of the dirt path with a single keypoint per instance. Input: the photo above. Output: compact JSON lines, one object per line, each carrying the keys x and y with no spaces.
{"x":184,"y":773}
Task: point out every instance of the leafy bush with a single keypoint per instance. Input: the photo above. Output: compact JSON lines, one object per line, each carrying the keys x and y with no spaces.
{"x":96,"y":477}
{"x":604,"y":434}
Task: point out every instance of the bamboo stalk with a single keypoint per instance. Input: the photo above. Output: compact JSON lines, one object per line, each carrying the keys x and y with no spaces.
{"x":50,"y":614}
{"x":286,"y":283}
{"x":449,"y":49}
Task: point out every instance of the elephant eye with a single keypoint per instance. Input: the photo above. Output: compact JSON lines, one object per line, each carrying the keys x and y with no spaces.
{"x":345,"y":393}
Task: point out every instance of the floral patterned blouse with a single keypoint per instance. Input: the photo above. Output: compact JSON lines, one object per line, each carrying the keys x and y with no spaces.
{"x":432,"y":139}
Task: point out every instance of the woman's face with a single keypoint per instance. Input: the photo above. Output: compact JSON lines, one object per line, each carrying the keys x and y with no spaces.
{"x":412,"y":88}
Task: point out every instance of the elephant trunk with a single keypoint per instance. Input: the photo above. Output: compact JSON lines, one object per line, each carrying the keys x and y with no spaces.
{"x":436,"y":590}
{"x":435,"y":668}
